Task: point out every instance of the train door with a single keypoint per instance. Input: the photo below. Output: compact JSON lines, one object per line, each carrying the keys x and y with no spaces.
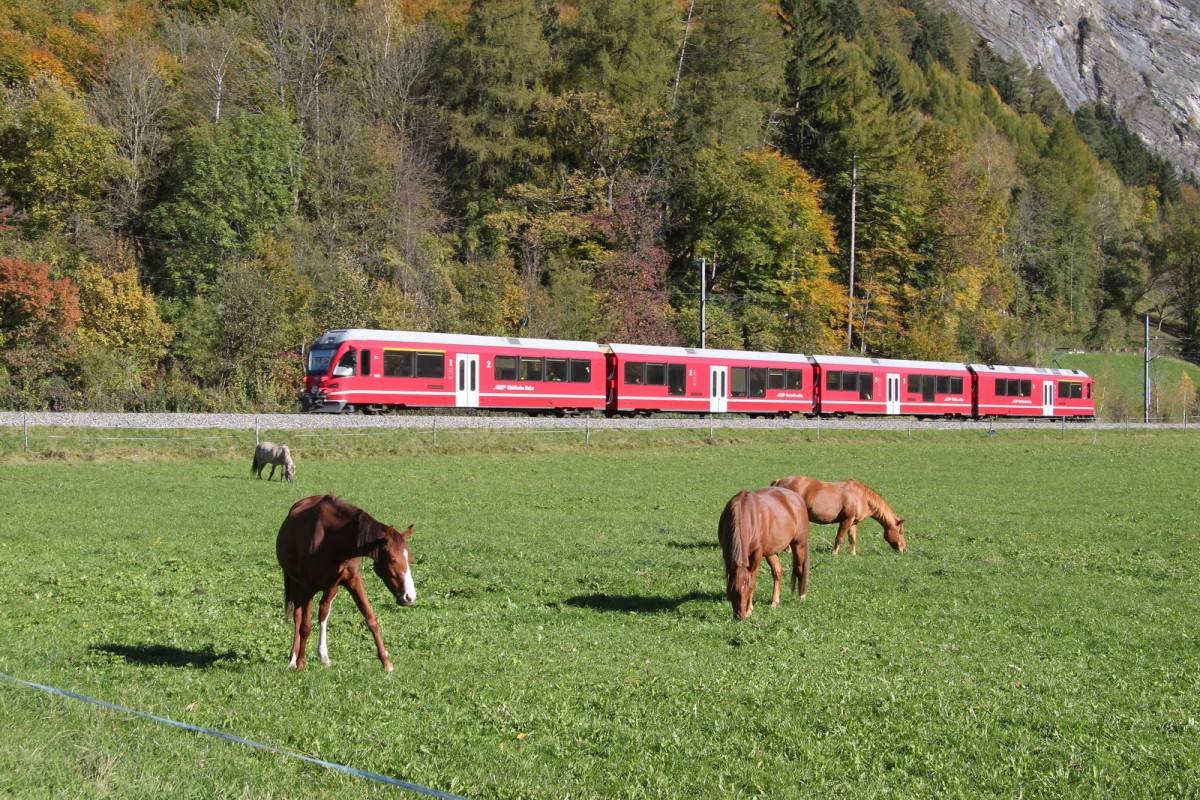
{"x":1048,"y":398}
{"x":466,"y":390}
{"x":719,"y":384}
{"x":893,"y":393}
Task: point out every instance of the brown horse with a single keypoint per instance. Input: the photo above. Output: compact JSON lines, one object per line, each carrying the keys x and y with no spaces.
{"x":758,"y":524}
{"x":846,"y":503}
{"x":319,"y":546}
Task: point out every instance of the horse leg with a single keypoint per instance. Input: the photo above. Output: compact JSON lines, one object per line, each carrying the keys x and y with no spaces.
{"x":844,"y":527}
{"x":323,"y":622}
{"x":776,"y":578}
{"x":853,"y":537}
{"x":800,"y":568}
{"x":303,"y":627}
{"x":272,"y":473}
{"x":358,"y":592}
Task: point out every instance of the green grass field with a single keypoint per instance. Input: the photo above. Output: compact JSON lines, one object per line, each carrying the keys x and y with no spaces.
{"x":571,"y":639}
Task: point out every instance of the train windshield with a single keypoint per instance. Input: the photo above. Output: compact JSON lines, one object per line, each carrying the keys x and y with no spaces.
{"x":319,"y":359}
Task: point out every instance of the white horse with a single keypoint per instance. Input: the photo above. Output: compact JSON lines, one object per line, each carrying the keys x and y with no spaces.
{"x":267,"y":453}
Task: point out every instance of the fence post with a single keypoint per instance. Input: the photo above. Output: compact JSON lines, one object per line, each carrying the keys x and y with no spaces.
{"x":587,"y":430}
{"x":25,"y":427}
{"x":256,"y":440}
{"x":435,"y":430}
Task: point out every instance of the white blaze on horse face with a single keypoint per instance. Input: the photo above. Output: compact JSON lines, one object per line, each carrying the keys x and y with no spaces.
{"x":410,"y":589}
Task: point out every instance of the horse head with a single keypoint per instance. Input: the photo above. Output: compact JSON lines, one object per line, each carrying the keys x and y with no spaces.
{"x":393,"y":564}
{"x":894,"y":534}
{"x":289,"y":471}
{"x":740,"y":581}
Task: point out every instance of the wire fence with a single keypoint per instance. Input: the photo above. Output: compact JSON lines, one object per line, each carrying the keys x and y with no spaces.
{"x":222,"y":435}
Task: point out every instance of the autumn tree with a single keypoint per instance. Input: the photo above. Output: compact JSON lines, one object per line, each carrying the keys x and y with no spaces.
{"x":758,"y":216}
{"x":55,"y":163}
{"x":1179,"y":261}
{"x":38,"y":315}
{"x":631,"y":277}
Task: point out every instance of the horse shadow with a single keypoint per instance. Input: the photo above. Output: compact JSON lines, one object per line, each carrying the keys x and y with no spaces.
{"x":638,"y":604}
{"x":713,"y":545}
{"x":161,"y":655}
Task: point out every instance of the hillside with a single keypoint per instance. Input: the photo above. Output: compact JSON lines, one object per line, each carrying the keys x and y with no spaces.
{"x":191,"y":191}
{"x":1120,"y":381}
{"x":1139,"y":57}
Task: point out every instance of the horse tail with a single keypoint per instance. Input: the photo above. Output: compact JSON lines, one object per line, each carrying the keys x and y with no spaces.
{"x":289,"y":604}
{"x":254,"y":462}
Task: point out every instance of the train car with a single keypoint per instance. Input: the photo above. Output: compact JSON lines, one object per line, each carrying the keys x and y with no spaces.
{"x":644,"y":379}
{"x":1003,"y":391}
{"x":849,"y":385}
{"x":377,"y":371}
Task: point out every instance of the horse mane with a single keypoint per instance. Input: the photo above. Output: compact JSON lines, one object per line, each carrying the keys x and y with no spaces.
{"x":370,"y":532}
{"x":880,"y":509}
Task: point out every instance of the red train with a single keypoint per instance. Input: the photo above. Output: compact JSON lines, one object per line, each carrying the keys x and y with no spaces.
{"x":378,"y":371}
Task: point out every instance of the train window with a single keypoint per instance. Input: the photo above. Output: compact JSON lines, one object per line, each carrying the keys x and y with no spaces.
{"x":398,"y":363}
{"x":581,"y":371}
{"x":431,"y":365}
{"x":758,"y":382}
{"x":656,"y":374}
{"x":924,"y":385}
{"x":949,"y":384}
{"x":556,"y":369}
{"x":738,"y":381}
{"x":676,"y":379}
{"x":635,"y":372}
{"x":364,"y":362}
{"x":531,"y":369}
{"x":345,"y":365}
{"x":865,"y":386}
{"x":1070,"y":390}
{"x":1013,"y":387}
{"x":319,"y":359}
{"x":506,"y":368}
{"x":785,"y":379}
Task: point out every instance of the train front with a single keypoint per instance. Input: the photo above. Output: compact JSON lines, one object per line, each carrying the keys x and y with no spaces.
{"x":321,"y":377}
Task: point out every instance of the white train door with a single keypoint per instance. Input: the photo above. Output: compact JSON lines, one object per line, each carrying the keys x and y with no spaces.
{"x":893,"y":393}
{"x":719,"y":397}
{"x":1048,"y":398}
{"x":466,"y":390}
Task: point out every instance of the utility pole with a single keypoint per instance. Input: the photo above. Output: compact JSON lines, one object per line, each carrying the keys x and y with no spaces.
{"x":1146,"y":397}
{"x":703,"y":300}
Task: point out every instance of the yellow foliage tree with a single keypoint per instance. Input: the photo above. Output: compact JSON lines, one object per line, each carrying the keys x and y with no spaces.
{"x":118,"y":314}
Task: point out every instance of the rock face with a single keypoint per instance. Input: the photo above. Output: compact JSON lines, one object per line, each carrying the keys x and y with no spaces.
{"x":1140,"y":57}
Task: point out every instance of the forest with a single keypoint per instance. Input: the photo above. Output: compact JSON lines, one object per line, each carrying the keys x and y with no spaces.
{"x":192,"y":190}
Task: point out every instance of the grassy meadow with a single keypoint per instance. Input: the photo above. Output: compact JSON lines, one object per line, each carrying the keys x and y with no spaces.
{"x":571,"y":639}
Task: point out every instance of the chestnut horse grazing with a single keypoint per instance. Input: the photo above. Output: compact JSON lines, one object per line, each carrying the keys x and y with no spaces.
{"x":846,"y":503}
{"x":319,"y":547}
{"x":758,"y":524}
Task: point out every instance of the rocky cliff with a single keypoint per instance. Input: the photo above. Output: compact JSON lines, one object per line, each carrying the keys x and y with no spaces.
{"x":1141,"y":57}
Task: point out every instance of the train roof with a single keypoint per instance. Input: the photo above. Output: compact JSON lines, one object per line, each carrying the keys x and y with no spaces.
{"x":462,"y":339}
{"x":996,"y":369}
{"x":678,"y":352}
{"x":898,"y":363}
